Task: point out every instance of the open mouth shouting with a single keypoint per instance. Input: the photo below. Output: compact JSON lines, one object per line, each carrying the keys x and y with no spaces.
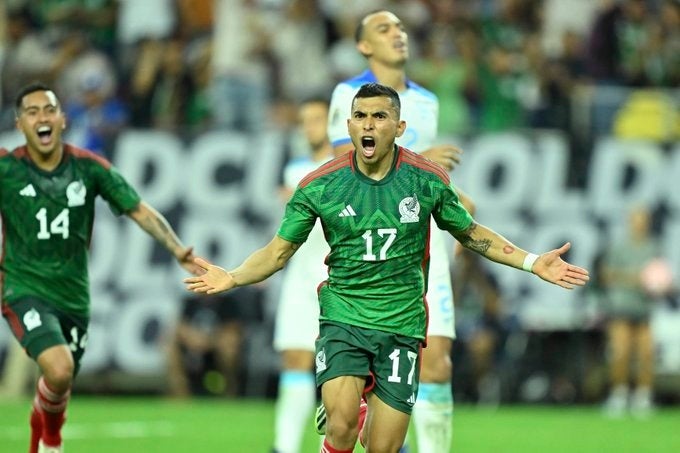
{"x":368,"y":146}
{"x":45,"y":135}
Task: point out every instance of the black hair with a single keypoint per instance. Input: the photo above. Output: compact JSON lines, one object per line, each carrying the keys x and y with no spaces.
{"x":28,"y":89}
{"x":359,"y":31}
{"x":372,"y":90}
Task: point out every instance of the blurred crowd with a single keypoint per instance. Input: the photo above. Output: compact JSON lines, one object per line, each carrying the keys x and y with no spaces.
{"x":191,"y":65}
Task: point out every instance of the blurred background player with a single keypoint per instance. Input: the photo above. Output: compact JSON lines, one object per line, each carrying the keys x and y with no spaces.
{"x":297,"y":316}
{"x":48,"y":197}
{"x":629,"y":308}
{"x":382,"y":40}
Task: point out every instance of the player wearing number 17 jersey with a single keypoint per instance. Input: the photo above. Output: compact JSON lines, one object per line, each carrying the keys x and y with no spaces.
{"x":47,"y":195}
{"x":375,"y":205}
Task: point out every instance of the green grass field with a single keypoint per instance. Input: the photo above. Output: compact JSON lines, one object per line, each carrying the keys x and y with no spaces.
{"x":147,"y":425}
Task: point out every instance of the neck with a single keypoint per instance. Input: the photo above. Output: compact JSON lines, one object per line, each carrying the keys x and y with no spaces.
{"x":392,"y":76}
{"x":46,"y":161}
{"x":378,"y":170}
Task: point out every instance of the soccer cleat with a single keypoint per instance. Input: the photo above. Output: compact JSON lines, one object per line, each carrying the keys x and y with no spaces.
{"x":320,"y":420}
{"x":42,"y":448}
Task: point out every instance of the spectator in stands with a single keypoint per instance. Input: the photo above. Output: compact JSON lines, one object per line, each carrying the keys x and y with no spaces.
{"x":242,"y":75}
{"x":29,"y":55}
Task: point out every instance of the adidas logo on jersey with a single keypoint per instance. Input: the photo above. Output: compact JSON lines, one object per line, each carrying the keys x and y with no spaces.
{"x":28,"y":191}
{"x":347,"y":212}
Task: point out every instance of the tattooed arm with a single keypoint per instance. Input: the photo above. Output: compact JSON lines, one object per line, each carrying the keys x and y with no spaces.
{"x":257,"y":267}
{"x":492,"y":245}
{"x":158,"y":227}
{"x":549,"y":266}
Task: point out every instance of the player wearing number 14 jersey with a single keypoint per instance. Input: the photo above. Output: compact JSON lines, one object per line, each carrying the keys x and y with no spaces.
{"x":47,"y":194}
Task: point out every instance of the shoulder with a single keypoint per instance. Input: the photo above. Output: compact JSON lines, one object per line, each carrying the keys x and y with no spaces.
{"x":8,"y":157}
{"x":422,"y":92}
{"x":81,"y":154}
{"x":422,"y":164}
{"x":326,"y":169}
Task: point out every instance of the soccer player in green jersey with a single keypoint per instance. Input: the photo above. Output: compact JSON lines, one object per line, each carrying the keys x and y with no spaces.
{"x":47,"y":200}
{"x":375,"y":204}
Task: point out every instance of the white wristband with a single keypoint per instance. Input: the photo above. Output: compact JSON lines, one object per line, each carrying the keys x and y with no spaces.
{"x":529,"y":261}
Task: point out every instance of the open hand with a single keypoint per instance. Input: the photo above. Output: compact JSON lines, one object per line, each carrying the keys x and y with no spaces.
{"x":448,"y":156}
{"x":186,"y":260}
{"x":551,"y":268}
{"x":211,"y":280}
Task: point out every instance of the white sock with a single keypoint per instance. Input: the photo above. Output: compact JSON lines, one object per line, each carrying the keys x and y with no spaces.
{"x":294,"y":405}
{"x":433,"y":418}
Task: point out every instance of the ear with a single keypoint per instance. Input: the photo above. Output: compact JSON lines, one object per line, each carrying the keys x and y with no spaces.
{"x":364,"y":48}
{"x":401,"y":127}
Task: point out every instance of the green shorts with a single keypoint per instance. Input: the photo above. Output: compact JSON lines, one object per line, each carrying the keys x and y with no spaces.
{"x":390,"y":361}
{"x":38,"y":326}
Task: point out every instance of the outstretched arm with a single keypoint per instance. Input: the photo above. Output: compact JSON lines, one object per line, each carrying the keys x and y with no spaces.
{"x":158,"y":227}
{"x":549,"y":266}
{"x":257,"y":267}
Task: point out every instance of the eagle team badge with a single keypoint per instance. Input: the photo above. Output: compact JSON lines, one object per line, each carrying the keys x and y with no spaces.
{"x":409,"y":208}
{"x":75,"y":193}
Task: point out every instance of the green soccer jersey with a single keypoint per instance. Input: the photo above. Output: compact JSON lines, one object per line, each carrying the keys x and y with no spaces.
{"x":47,"y":220}
{"x":378,"y":232}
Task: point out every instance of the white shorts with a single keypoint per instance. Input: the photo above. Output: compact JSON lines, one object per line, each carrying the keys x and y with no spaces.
{"x":440,"y":294}
{"x":297,"y":315}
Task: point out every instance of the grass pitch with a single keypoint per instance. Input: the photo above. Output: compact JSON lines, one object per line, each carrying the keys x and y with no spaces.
{"x":148,"y":425}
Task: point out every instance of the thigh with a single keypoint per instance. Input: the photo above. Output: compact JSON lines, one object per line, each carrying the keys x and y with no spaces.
{"x":396,"y":370}
{"x":39,"y":326}
{"x":341,"y":350}
{"x":620,"y":333}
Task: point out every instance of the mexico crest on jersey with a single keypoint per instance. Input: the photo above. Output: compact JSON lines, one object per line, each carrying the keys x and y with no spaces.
{"x":75,"y":193}
{"x":409,"y":208}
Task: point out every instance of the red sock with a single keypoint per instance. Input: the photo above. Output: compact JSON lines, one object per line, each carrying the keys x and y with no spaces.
{"x":36,"y":426}
{"x":326,"y":448}
{"x":53,"y":406}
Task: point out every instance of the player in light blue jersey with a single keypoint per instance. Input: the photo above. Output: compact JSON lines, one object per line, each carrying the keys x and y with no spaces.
{"x":381,"y":38}
{"x":297,"y":315}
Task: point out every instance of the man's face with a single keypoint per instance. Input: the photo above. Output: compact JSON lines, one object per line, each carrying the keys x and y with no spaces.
{"x":41,"y":121}
{"x":384,"y":39}
{"x":373,"y":126}
{"x":313,"y":118}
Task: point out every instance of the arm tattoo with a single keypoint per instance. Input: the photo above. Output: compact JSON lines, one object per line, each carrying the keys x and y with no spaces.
{"x":479,"y":245}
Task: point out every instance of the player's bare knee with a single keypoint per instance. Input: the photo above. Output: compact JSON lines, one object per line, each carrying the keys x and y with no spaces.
{"x":344,"y":429}
{"x":59,"y":377}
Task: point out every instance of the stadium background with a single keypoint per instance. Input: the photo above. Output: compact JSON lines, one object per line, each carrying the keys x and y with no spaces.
{"x":196,"y":109}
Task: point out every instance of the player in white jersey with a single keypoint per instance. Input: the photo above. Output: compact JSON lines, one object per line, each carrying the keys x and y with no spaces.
{"x":382,"y":40}
{"x":297,"y":315}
